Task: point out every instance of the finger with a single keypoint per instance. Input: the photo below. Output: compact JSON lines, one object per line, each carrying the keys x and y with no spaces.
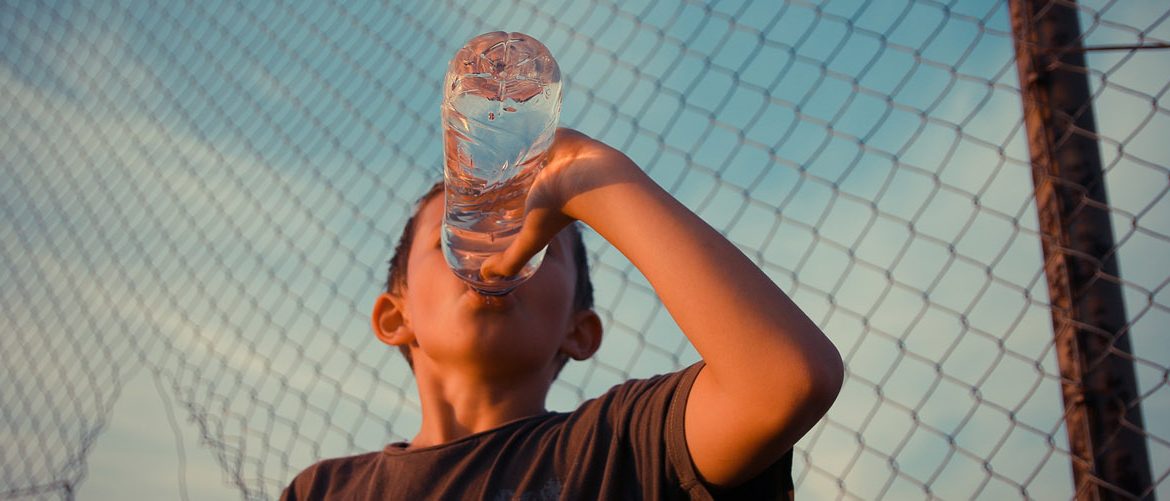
{"x":565,"y":133}
{"x":540,"y":227}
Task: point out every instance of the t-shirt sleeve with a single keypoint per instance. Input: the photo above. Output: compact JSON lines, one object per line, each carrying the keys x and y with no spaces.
{"x":650,"y":415}
{"x":290,"y":493}
{"x":298,"y":487}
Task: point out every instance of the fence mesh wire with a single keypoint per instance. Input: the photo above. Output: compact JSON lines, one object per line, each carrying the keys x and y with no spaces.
{"x":208,"y":191}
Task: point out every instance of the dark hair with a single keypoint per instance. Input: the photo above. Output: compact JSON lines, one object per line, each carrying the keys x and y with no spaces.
{"x":396,"y":276}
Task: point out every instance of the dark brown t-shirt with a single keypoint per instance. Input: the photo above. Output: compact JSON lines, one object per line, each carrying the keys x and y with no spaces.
{"x":626,"y":444}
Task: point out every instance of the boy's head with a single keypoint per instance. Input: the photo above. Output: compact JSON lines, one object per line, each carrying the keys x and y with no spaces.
{"x":425,"y":303}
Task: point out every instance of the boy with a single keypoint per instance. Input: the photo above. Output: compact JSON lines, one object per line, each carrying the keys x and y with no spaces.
{"x":724,"y":427}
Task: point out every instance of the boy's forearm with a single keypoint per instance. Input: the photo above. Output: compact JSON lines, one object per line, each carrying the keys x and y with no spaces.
{"x":770,"y":373}
{"x":745,"y":328}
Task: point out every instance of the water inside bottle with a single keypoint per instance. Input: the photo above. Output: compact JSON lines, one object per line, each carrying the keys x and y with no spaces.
{"x":500,"y":110}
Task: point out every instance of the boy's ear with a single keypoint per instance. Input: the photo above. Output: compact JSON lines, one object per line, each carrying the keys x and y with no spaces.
{"x":389,"y":321}
{"x":585,"y":337}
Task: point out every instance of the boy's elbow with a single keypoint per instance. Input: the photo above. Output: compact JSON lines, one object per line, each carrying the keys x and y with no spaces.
{"x":821,"y":376}
{"x":828,"y":375}
{"x":805,"y":380}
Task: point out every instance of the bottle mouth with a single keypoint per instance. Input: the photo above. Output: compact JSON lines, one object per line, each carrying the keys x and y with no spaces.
{"x":495,"y":288}
{"x":488,"y":302}
{"x":493,"y":292}
{"x":493,"y":295}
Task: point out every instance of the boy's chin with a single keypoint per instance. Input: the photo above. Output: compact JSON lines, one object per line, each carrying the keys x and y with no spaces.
{"x":496,"y":350}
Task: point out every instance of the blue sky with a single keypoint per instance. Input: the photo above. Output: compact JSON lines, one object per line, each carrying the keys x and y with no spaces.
{"x":211,"y":190}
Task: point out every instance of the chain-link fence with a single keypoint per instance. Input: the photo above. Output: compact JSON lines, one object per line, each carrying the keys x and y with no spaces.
{"x":208,"y":191}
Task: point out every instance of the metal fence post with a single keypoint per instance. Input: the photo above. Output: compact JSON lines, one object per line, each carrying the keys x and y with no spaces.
{"x":1102,"y":404}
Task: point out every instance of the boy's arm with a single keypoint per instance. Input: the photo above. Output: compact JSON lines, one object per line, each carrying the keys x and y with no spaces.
{"x":770,"y":373}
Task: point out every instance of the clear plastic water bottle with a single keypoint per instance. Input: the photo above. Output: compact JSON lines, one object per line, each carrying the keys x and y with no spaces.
{"x":501,"y":103}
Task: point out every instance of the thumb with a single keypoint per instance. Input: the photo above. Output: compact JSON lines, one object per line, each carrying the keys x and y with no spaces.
{"x":541,"y":225}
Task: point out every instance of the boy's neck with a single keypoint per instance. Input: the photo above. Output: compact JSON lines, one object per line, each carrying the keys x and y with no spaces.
{"x":457,"y":405}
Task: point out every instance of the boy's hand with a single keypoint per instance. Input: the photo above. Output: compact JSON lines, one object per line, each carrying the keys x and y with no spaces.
{"x":577,"y":166}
